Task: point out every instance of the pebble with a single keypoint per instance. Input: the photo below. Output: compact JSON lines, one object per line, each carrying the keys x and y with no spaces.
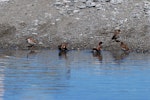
{"x":90,"y":4}
{"x":76,"y":11}
{"x":82,"y":1}
{"x":35,"y":33}
{"x":116,"y":1}
{"x":41,"y":43}
{"x":59,"y":4}
{"x":82,"y":6}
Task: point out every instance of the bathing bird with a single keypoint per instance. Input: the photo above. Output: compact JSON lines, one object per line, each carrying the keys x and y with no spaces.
{"x":63,"y":46}
{"x":124,"y":47}
{"x":31,"y":41}
{"x":116,"y":35}
{"x":98,"y":48}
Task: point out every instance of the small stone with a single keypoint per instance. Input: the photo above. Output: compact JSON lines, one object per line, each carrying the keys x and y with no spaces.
{"x":66,"y":1}
{"x":62,"y":11}
{"x":98,"y":5}
{"x":48,"y":15}
{"x":95,"y":0}
{"x":36,"y":22}
{"x":53,"y":23}
{"x":69,"y":11}
{"x":57,"y":0}
{"x":76,"y":11}
{"x":59,"y":4}
{"x":116,"y":1}
{"x":4,"y":0}
{"x":34,"y":33}
{"x":57,"y":19}
{"x":77,"y":18}
{"x":41,"y":43}
{"x":90,"y":4}
{"x":107,"y":0}
{"x":76,"y":1}
{"x":83,"y":1}
{"x":82,"y":6}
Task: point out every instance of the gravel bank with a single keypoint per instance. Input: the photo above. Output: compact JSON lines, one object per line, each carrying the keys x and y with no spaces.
{"x":81,"y":23}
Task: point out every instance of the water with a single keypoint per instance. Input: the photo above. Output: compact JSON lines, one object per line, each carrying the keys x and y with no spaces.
{"x":77,"y":75}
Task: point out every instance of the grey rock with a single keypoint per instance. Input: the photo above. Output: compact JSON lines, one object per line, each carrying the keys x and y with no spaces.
{"x":82,"y":6}
{"x":147,"y":8}
{"x":90,"y":4}
{"x":82,"y":1}
{"x":76,"y":11}
{"x":59,"y":4}
{"x":116,"y":1}
{"x":95,"y":0}
{"x":107,"y":0}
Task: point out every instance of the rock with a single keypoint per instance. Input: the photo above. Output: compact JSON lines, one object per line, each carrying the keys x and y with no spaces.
{"x":66,"y":1}
{"x":107,"y":0}
{"x":59,"y":4}
{"x":35,"y":33}
{"x":75,"y":1}
{"x":95,"y":0}
{"x":41,"y":43}
{"x":76,"y":11}
{"x":48,"y":15}
{"x":82,"y":1}
{"x":58,"y":19}
{"x":77,"y":18}
{"x":2,"y":1}
{"x":147,"y":8}
{"x":115,"y":1}
{"x":90,"y":4}
{"x":70,"y":11}
{"x":82,"y":6}
{"x":98,"y":5}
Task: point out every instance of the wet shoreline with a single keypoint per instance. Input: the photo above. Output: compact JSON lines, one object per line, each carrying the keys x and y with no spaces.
{"x":77,"y":49}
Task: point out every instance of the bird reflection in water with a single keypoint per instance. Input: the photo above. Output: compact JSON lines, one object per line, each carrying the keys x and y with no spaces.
{"x":120,"y":55}
{"x":31,"y":53}
{"x":63,"y":54}
{"x":98,"y":55}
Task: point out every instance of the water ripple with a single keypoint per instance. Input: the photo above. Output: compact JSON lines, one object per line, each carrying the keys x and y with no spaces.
{"x":78,"y":75}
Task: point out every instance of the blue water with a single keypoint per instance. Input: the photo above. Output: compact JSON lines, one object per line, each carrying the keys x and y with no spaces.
{"x":77,"y":75}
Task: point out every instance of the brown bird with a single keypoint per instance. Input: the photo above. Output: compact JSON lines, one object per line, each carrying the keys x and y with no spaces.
{"x":116,"y":35}
{"x":124,"y":47}
{"x":98,"y":48}
{"x":31,"y":41}
{"x":63,"y":46}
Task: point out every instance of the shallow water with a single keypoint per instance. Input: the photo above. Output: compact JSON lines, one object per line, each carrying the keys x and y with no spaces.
{"x":77,"y":75}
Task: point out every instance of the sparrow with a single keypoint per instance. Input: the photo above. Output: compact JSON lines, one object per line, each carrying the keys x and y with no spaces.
{"x":116,"y":35}
{"x":124,"y":47}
